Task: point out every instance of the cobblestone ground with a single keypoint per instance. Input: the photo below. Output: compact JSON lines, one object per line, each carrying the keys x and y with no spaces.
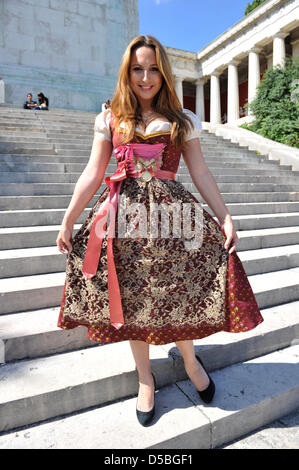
{"x":281,"y":434}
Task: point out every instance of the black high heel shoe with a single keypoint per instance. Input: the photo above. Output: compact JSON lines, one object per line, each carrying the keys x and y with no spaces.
{"x":146,"y":417}
{"x":207,"y":394}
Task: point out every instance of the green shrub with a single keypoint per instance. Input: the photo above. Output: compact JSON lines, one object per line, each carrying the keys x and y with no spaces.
{"x":276,"y":105}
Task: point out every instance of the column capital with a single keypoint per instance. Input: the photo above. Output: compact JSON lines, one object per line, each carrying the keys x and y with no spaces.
{"x":255,"y":49}
{"x":216,"y":73}
{"x":178,"y":78}
{"x":199,"y":81}
{"x":233,"y":62}
{"x":280,"y":34}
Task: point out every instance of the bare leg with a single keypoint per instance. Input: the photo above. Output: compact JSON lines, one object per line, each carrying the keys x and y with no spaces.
{"x":140,"y":351}
{"x":193,"y":368}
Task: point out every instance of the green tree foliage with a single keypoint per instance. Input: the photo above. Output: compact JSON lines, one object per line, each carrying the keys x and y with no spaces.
{"x":251,"y":6}
{"x":276,"y":104}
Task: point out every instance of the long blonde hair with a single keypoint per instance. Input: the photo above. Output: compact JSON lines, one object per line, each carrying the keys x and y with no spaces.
{"x":125,"y":105}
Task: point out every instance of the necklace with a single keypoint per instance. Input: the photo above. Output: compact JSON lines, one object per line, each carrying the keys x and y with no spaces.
{"x":147,"y":117}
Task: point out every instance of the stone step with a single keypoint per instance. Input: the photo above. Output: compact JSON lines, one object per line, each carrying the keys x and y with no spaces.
{"x":65,"y":140}
{"x":270,"y":259}
{"x":42,"y":260}
{"x":24,"y":218}
{"x":14,"y":120}
{"x":64,"y":137}
{"x":182,"y":174}
{"x":51,"y":124}
{"x":45,"y":235}
{"x":32,"y":189}
{"x":31,"y":261}
{"x":21,"y":148}
{"x":256,"y":162}
{"x":267,"y":238}
{"x":38,"y":177}
{"x":263,"y":221}
{"x":243,"y":178}
{"x":248,"y":394}
{"x":259,"y":208}
{"x":43,"y":177}
{"x":35,"y":126}
{"x":212,"y":153}
{"x":45,"y":290}
{"x":11,"y":159}
{"x":60,"y":133}
{"x":248,"y":215}
{"x":60,"y":202}
{"x":206,"y":146}
{"x":17,"y":134}
{"x":35,"y":334}
{"x":67,"y":137}
{"x":72,"y":115}
{"x":31,"y":292}
{"x":38,"y":236}
{"x":41,"y":202}
{"x":11,"y":147}
{"x":237,"y":169}
{"x":22,"y":128}
{"x":33,"y":139}
{"x":75,"y":116}
{"x":52,"y":113}
{"x":30,"y":151}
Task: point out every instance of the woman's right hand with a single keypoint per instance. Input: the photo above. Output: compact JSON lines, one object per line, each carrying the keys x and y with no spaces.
{"x":64,"y":239}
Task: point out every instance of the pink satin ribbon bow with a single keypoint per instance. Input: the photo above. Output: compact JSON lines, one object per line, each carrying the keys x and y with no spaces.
{"x":125,"y":168}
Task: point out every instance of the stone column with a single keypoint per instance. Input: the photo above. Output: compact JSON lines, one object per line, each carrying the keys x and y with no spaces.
{"x":215,"y":104}
{"x":200,"y":102}
{"x":2,"y":91}
{"x":232,"y":93}
{"x":179,"y":88}
{"x":253,"y":73}
{"x":279,"y":51}
{"x":269,"y":58}
{"x":295,"y":48}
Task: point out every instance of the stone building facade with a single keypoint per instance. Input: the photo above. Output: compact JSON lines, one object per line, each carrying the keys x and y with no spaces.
{"x":71,"y":51}
{"x":217,"y":81}
{"x":68,"y":49}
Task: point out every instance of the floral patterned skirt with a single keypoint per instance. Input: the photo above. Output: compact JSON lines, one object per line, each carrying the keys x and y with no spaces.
{"x":170,"y":291}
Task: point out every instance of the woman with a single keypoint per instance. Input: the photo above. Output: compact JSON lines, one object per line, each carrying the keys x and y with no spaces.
{"x":43,"y":102}
{"x":106,"y":105}
{"x":151,"y":289}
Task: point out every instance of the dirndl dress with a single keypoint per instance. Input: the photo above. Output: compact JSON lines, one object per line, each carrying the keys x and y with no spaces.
{"x":149,"y":262}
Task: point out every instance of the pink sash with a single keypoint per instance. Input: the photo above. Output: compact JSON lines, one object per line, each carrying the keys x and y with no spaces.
{"x":151,"y":156}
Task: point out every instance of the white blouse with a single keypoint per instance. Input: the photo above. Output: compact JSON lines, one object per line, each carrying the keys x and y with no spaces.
{"x":101,"y":126}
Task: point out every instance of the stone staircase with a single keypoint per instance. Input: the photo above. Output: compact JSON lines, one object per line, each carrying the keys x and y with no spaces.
{"x":68,"y":384}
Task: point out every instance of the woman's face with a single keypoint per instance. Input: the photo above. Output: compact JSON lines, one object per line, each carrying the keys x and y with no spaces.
{"x":145,"y":77}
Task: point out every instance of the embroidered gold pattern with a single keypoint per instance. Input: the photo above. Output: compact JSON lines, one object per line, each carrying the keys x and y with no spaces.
{"x":168,"y":293}
{"x":159,"y":280}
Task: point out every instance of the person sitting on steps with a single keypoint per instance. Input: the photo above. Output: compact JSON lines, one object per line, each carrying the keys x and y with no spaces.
{"x":29,"y":104}
{"x":43,"y":102}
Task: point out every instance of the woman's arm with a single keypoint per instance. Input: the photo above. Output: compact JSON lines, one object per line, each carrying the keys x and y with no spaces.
{"x":207,"y":187}
{"x":86,"y":187}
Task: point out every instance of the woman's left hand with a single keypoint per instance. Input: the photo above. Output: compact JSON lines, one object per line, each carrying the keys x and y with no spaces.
{"x":228,"y":229}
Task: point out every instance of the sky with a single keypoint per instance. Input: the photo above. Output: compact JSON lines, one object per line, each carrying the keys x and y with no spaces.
{"x":189,"y":24}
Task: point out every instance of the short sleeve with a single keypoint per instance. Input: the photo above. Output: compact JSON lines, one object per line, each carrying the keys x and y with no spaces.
{"x":101,"y":125}
{"x":193,"y":133}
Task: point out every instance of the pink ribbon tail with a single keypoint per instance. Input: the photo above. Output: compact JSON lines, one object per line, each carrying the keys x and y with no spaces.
{"x":93,"y":251}
{"x":125,"y":168}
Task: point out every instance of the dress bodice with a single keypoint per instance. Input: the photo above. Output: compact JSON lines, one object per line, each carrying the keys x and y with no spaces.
{"x":157,"y":132}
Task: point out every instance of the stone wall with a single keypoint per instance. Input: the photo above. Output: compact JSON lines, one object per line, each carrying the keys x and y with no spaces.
{"x":68,"y":49}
